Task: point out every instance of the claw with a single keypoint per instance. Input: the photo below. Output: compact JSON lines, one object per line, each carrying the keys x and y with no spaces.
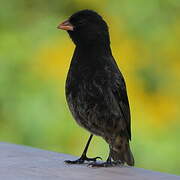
{"x":99,"y":158}
{"x":78,"y":161}
{"x":104,"y":164}
{"x":82,"y":159}
{"x":92,"y":159}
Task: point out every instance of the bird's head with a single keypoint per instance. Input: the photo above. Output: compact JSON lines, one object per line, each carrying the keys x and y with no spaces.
{"x":86,"y":27}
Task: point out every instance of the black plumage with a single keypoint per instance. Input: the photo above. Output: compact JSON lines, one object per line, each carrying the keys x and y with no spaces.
{"x":95,"y":88}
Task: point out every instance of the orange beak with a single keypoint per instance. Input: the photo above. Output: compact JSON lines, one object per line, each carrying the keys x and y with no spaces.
{"x":66,"y":25}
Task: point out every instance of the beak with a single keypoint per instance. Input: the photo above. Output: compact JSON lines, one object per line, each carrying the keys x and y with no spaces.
{"x":66,"y":25}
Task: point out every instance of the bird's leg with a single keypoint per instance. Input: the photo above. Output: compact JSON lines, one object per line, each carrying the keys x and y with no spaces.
{"x":83,"y":156}
{"x":108,"y":163}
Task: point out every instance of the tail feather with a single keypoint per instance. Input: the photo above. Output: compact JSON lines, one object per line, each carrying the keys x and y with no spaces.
{"x":121,"y":151}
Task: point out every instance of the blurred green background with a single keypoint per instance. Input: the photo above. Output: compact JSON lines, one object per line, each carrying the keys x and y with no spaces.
{"x":34,"y":60}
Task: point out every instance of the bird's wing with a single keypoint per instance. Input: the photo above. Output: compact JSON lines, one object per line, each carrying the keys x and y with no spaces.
{"x":118,"y":88}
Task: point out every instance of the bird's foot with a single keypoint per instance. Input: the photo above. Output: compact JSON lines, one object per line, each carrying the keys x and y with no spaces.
{"x":82,"y":159}
{"x":105,"y":164}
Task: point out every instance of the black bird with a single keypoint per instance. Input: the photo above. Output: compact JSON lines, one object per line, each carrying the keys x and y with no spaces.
{"x":95,"y":88}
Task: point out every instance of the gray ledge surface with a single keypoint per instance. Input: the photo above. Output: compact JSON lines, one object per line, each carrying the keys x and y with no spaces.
{"x":22,"y":162}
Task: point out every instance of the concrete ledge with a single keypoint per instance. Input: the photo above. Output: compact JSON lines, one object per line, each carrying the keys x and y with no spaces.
{"x":22,"y":162}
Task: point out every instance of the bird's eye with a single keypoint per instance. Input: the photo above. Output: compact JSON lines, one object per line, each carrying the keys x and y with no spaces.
{"x":81,"y":22}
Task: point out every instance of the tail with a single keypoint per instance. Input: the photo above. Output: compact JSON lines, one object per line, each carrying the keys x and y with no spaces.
{"x":121,"y":151}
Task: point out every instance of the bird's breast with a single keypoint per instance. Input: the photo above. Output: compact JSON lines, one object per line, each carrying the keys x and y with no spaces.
{"x":84,"y":91}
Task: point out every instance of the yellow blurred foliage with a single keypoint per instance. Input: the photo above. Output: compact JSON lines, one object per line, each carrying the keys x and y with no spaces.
{"x":53,"y":61}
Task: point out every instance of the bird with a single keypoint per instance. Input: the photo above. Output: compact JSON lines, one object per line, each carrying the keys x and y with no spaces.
{"x":95,"y":89}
